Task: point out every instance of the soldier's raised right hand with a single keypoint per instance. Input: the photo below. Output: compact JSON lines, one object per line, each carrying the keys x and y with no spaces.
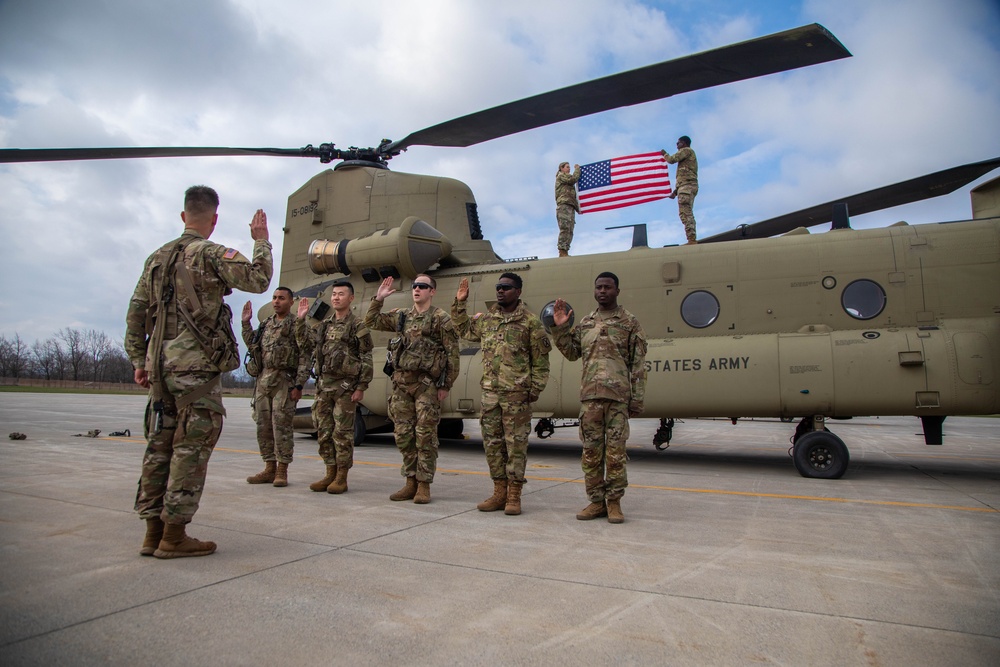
{"x":385,"y":289}
{"x":303,"y":308}
{"x":247,"y":312}
{"x":463,"y":290}
{"x":258,"y":226}
{"x":560,"y":313}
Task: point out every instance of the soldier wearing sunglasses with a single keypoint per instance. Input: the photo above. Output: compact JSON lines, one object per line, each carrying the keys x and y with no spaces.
{"x":426,"y":366}
{"x":515,"y":372}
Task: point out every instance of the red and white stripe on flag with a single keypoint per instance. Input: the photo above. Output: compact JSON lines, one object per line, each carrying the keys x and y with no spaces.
{"x":623,"y":181}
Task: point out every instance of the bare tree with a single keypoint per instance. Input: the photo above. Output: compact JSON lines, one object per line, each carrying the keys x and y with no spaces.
{"x":46,"y":358}
{"x":97,"y":346}
{"x":14,"y":356}
{"x":75,"y":353}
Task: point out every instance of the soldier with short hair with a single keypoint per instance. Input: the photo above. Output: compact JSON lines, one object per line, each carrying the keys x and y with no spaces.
{"x":515,"y":371}
{"x":686,"y":185}
{"x":612,"y":344}
{"x":425,"y":368}
{"x":279,"y":385}
{"x":179,"y":338}
{"x":567,"y":205}
{"x":340,"y":353}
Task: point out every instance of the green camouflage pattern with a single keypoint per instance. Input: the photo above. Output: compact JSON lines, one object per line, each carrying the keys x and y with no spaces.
{"x":685,"y":210}
{"x":280,"y":348}
{"x":566,"y":219}
{"x":613,"y":349}
{"x":603,"y":432}
{"x":505,"y":425}
{"x":515,"y":348}
{"x":566,"y":189}
{"x":175,"y":464}
{"x":333,"y":413}
{"x":216,"y":271}
{"x":687,"y":167}
{"x":340,"y":353}
{"x":415,"y":412}
{"x":430,"y":344}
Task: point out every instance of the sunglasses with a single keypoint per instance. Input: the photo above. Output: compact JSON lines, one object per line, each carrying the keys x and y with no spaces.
{"x":421,"y":286}
{"x":503,"y":288}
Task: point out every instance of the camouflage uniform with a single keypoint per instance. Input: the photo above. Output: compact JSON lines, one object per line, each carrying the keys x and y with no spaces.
{"x":613,"y":348}
{"x":687,"y":187}
{"x":343,"y":364}
{"x":515,"y":372}
{"x":567,"y":206}
{"x":176,"y":459}
{"x":429,"y":361}
{"x":284,"y":368}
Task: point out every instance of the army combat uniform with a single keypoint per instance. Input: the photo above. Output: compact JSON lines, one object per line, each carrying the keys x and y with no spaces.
{"x":284,"y":368}
{"x":184,"y":413}
{"x":687,"y":187}
{"x":427,"y":362}
{"x":613,"y":348}
{"x":515,"y":372}
{"x":567,"y":206}
{"x":341,"y":356}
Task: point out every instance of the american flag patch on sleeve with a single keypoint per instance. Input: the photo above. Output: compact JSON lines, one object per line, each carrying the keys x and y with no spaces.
{"x":230,"y":253}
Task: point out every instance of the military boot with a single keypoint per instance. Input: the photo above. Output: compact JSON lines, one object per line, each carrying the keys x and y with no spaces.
{"x":331,"y":474}
{"x":563,"y":253}
{"x":265,"y":476}
{"x":593,"y":511}
{"x":339,"y":485}
{"x":281,"y":475}
{"x":513,"y":507}
{"x":497,"y":500}
{"x":423,"y":495}
{"x":407,"y":492}
{"x":154,"y":533}
{"x":615,"y":511}
{"x":176,"y":544}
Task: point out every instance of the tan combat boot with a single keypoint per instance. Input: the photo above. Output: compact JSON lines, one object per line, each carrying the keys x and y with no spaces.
{"x":615,"y":511}
{"x":331,"y":474}
{"x":339,"y":485}
{"x":513,"y":507}
{"x":563,"y":253}
{"x":497,"y":500}
{"x":176,"y":544}
{"x":281,"y":475}
{"x":265,"y":476}
{"x":593,"y":511}
{"x":423,"y":495}
{"x":407,"y":492}
{"x":154,"y":533}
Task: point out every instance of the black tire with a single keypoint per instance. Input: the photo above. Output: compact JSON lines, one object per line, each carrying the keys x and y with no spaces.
{"x":360,"y":430}
{"x":821,"y":454}
{"x":451,"y":429}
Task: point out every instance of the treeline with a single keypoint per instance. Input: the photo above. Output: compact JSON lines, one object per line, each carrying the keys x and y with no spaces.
{"x":74,"y":354}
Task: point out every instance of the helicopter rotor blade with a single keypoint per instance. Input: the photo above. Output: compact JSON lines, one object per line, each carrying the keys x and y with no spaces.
{"x":923,"y":187}
{"x":60,"y":154}
{"x":791,"y":49}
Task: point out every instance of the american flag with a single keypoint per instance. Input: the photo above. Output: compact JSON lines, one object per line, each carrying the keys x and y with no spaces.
{"x":623,"y":181}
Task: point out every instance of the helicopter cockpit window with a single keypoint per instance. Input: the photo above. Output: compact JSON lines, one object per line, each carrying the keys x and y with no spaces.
{"x":863,"y":299}
{"x":700,"y":309}
{"x":546,"y":315}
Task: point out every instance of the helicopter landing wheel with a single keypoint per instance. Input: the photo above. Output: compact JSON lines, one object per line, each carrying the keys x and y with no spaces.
{"x":821,"y":454}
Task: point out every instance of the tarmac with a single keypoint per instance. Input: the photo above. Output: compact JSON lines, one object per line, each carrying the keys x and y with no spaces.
{"x":727,"y":556}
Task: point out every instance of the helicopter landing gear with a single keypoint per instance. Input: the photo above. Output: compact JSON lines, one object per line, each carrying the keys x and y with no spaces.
{"x":546,"y":427}
{"x":661,"y":439}
{"x":817,"y":452}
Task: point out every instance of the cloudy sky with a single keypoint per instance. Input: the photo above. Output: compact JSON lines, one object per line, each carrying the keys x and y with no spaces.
{"x":921,"y":93}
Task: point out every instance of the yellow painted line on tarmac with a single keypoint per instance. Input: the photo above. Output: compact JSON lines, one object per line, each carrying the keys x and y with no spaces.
{"x":679,"y":489}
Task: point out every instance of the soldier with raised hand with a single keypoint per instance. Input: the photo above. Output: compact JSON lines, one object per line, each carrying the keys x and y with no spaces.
{"x":340,"y":350}
{"x":515,"y":371}
{"x":279,"y":385}
{"x":612,"y":344}
{"x":179,"y":338}
{"x":686,"y":182}
{"x":426,"y":366}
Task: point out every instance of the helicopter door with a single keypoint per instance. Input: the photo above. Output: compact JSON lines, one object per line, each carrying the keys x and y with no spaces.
{"x":805,"y":374}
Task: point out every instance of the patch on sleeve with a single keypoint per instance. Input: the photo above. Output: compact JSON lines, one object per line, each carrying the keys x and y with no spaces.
{"x":230,"y":253}
{"x":477,"y":316}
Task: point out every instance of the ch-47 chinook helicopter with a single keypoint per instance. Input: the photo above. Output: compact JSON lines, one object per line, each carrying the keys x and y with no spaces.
{"x":903,"y":320}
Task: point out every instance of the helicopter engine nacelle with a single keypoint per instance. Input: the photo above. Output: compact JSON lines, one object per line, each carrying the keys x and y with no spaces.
{"x":407,"y":250}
